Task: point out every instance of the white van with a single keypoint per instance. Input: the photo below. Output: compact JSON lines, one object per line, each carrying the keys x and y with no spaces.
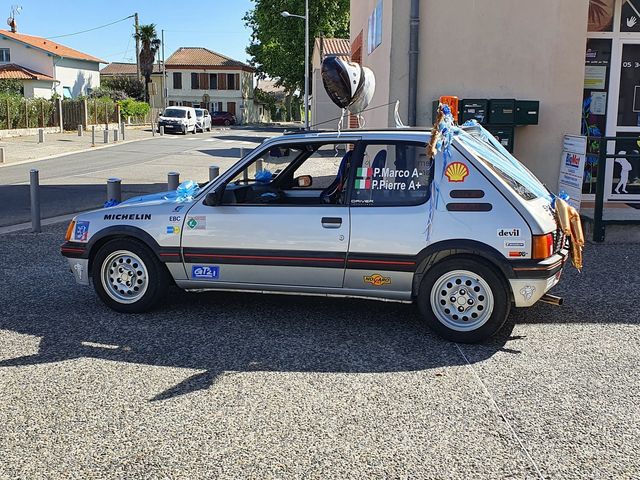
{"x":178,"y":119}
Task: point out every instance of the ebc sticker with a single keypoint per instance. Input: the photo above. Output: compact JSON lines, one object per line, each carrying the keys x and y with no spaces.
{"x":205,"y":272}
{"x":175,"y":218}
{"x":198,"y":222}
{"x":81,"y":233}
{"x":509,"y":232}
{"x":457,"y":172}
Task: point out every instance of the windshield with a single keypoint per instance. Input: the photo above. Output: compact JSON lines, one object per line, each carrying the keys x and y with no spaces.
{"x":504,"y":165}
{"x":175,"y":113}
{"x":199,"y":113}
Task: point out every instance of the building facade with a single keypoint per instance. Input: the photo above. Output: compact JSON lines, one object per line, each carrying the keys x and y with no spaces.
{"x":495,"y":49}
{"x":323,"y":111}
{"x":202,"y":78}
{"x":45,"y":67}
{"x":129,"y":70}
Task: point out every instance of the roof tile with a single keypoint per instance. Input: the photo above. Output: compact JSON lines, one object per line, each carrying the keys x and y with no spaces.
{"x":203,"y":57}
{"x":49,"y":46}
{"x":18,"y":72}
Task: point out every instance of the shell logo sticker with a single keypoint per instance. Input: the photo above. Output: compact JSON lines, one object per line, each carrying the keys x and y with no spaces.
{"x":457,"y":172}
{"x":377,"y":280}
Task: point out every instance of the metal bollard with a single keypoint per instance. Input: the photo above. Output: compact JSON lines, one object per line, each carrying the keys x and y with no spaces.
{"x":122,"y":130}
{"x":241,"y":152}
{"x":93,"y":135}
{"x":173,"y":180}
{"x":34,"y":182}
{"x":161,"y":130}
{"x":105,"y":134}
{"x":41,"y":135}
{"x":80,"y":132}
{"x":116,"y":135}
{"x":1,"y":154}
{"x":214,"y":171}
{"x":153,"y":130}
{"x":114,"y":189}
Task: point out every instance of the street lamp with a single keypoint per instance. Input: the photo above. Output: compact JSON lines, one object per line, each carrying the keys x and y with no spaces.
{"x":305,"y":17}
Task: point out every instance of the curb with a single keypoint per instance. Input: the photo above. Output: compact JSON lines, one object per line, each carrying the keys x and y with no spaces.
{"x":84,"y":150}
{"x":44,"y":222}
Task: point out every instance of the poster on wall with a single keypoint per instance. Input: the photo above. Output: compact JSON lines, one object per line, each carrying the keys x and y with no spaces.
{"x":625,"y":175}
{"x":574,"y":155}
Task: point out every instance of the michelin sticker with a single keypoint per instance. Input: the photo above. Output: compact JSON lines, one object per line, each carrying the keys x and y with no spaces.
{"x":205,"y":272}
{"x":81,"y":233}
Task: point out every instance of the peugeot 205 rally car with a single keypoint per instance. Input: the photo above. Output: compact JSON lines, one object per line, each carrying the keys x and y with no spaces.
{"x":466,"y":235}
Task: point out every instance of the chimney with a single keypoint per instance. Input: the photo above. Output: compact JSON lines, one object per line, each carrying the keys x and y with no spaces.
{"x":14,"y":26}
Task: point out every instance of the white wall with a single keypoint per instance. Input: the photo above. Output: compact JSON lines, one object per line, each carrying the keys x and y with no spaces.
{"x":32,"y":58}
{"x":77,"y":75}
{"x":38,"y":88}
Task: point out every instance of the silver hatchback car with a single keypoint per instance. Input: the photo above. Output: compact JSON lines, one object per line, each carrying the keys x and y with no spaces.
{"x":466,"y":235}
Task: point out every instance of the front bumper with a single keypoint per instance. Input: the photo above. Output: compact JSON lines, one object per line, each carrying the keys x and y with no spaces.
{"x":533,"y":280}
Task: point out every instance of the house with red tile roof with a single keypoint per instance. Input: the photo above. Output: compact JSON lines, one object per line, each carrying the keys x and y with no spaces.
{"x":46,"y":67}
{"x":203,"y":78}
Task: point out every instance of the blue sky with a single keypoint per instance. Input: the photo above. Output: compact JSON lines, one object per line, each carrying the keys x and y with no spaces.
{"x":214,"y":24}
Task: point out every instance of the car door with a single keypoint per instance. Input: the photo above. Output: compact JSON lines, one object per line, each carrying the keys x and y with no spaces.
{"x":238,"y":242}
{"x":388,"y":201}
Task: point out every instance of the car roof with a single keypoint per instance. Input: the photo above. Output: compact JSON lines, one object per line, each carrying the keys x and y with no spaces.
{"x":179,"y":107}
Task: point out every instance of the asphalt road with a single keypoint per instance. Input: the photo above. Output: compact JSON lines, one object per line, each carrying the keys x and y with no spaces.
{"x":221,"y":385}
{"x":77,"y":182}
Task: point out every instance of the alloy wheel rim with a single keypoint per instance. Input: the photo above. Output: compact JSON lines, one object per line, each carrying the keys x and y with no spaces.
{"x":462,"y":300}
{"x":124,"y":276}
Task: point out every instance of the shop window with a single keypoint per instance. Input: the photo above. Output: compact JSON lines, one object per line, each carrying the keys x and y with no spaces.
{"x":630,"y":18}
{"x":629,"y":99}
{"x":601,"y":15}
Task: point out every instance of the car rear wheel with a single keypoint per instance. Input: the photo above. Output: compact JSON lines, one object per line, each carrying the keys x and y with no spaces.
{"x":128,"y":277}
{"x":227,"y":123}
{"x":464,"y":300}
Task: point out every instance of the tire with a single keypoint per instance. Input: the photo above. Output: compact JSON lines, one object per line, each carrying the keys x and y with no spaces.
{"x":468,"y":284}
{"x":184,"y":130}
{"x":227,"y":123}
{"x":195,"y":129}
{"x":140,"y":267}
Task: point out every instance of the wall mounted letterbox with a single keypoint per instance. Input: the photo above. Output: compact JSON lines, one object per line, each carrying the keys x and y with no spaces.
{"x":502,"y":112}
{"x":527,"y":112}
{"x":474,"y":110}
{"x":504,"y":134}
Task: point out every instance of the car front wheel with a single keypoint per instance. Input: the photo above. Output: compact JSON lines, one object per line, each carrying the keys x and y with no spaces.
{"x":128,"y":277}
{"x":464,"y":300}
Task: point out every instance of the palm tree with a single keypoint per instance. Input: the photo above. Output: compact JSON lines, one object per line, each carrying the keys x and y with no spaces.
{"x":150,"y":45}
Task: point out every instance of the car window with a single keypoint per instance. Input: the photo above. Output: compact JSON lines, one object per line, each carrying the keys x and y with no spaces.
{"x":269,"y":165}
{"x":504,"y":165}
{"x":323,"y":165}
{"x":174,"y":113}
{"x":391,"y":174}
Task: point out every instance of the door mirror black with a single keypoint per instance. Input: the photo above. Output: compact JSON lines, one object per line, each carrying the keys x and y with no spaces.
{"x":304,"y":181}
{"x":213,"y":199}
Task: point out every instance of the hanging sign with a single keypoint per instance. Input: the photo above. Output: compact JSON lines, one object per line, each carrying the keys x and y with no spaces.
{"x":574,"y":155}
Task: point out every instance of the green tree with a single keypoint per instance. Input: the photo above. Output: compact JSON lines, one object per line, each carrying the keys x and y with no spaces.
{"x":277,"y":43}
{"x":11,"y":86}
{"x":150,"y":43}
{"x":129,"y":85}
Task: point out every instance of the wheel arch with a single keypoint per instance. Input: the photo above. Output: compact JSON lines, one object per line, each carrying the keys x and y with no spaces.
{"x":447,"y":249}
{"x":120,"y":232}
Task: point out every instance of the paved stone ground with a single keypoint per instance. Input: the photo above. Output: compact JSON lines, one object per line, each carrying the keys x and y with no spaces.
{"x":221,"y":385}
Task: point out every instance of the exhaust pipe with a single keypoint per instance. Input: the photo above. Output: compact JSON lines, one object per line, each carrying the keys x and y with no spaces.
{"x":552,"y":299}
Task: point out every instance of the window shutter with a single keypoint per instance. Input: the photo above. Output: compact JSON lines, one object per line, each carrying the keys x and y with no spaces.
{"x":213,"y":81}
{"x":204,"y":81}
{"x":222,"y":82}
{"x":195,"y":84}
{"x":237,"y":81}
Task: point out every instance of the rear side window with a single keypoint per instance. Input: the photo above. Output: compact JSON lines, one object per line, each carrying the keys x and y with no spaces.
{"x":391,"y":174}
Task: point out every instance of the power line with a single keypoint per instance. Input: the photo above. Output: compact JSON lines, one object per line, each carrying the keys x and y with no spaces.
{"x":92,"y":29}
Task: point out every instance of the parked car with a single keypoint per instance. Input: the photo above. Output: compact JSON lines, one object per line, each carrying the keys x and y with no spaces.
{"x":203,"y":119}
{"x":223,"y":118}
{"x":178,"y":119}
{"x":466,"y":237}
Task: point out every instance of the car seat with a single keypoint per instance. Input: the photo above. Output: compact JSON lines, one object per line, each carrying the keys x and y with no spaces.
{"x":331,"y":194}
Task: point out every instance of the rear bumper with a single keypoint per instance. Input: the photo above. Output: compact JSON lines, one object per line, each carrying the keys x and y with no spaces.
{"x":534,"y":279}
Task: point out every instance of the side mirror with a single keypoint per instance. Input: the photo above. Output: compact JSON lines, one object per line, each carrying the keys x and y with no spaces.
{"x":304,"y":181}
{"x":213,"y":199}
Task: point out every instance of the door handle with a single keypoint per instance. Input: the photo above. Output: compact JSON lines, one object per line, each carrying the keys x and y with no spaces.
{"x":331,"y":222}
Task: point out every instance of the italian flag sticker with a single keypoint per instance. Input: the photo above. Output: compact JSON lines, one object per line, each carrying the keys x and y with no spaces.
{"x":363,"y":182}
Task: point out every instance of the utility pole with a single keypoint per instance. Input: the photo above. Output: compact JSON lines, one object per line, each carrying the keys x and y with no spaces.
{"x":138,"y":73}
{"x":165,"y":90}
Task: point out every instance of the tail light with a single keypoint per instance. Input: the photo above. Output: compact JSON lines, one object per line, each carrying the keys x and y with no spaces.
{"x":542,"y":246}
{"x":70,"y":228}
